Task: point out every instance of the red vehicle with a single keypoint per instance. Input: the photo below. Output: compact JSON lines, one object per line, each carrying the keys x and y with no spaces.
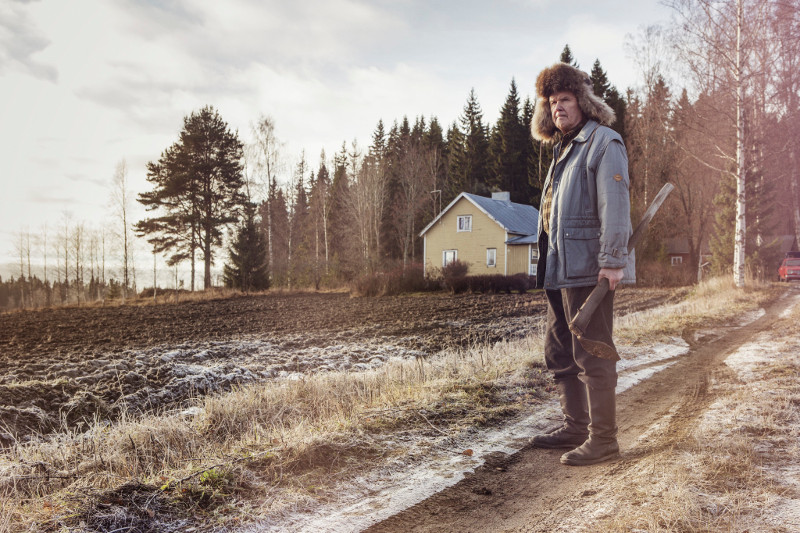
{"x":790,"y":268}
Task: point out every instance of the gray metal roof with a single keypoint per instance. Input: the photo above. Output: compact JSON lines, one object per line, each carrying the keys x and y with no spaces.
{"x":519,"y":219}
{"x":525,"y":239}
{"x":515,"y":218}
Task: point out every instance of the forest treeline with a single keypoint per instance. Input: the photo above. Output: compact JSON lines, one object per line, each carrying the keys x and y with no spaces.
{"x":716,"y":116}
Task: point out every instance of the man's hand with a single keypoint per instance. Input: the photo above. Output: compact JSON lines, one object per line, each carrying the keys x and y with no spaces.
{"x":614,"y":276}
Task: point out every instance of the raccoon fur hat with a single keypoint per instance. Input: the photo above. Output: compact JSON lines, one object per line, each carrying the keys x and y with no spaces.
{"x":564,"y":77}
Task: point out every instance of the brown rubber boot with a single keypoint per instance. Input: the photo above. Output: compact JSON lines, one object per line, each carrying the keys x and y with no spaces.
{"x":572,"y":395}
{"x":602,"y":443}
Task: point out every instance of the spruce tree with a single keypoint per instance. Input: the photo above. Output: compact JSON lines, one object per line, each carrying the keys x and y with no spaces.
{"x":566,"y":57}
{"x":247,"y":269}
{"x":610,"y":95}
{"x":280,"y":239}
{"x":537,"y":156}
{"x":340,"y":226}
{"x":509,"y":150}
{"x":319,"y":209}
{"x":299,"y":229}
{"x":722,"y":241}
{"x":455,"y":159}
{"x":476,"y":147}
{"x":378,"y":147}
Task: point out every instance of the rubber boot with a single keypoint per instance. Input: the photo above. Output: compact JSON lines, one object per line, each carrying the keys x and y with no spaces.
{"x":602,"y":443}
{"x":572,"y":395}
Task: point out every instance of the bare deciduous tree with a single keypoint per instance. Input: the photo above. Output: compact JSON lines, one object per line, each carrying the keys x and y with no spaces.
{"x":367,"y":202}
{"x":414,"y":184}
{"x":121,"y":204}
{"x":268,"y":152}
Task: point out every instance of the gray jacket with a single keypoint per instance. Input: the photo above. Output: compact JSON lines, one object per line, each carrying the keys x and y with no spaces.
{"x":590,"y":218}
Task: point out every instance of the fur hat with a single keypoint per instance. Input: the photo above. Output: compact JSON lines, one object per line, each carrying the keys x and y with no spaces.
{"x":564,"y":77}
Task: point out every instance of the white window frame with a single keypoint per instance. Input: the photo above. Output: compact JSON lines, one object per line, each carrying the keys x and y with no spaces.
{"x":676,"y":260}
{"x":491,"y":257}
{"x":444,"y":257}
{"x":464,"y":223}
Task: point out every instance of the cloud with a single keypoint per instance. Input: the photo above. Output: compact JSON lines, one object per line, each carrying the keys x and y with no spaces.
{"x":81,"y":178}
{"x":20,"y":40}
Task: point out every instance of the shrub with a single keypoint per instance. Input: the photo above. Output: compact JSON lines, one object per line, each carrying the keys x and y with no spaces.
{"x":490,"y":283}
{"x":657,"y":274}
{"x":453,"y":275}
{"x":393,"y":282}
{"x":455,"y":269}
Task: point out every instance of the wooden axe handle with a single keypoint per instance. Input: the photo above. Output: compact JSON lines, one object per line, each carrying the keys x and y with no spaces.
{"x":581,"y":321}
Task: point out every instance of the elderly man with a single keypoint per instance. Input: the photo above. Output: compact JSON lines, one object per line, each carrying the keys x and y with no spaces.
{"x":584,"y":226}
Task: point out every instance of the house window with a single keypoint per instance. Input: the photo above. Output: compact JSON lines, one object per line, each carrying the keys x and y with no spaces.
{"x":677,"y":260}
{"x":449,"y":256}
{"x":491,"y":257}
{"x":465,"y":223}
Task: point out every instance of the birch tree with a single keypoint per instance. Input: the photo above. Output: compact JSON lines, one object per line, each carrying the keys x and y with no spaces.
{"x":716,"y":41}
{"x":121,"y":205}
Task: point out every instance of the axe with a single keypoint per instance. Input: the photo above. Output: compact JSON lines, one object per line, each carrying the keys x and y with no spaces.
{"x":581,"y":321}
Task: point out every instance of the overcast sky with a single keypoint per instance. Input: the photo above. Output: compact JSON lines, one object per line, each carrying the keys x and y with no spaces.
{"x":87,"y":83}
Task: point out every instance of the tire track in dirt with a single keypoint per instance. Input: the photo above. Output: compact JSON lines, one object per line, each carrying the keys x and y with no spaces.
{"x":531,"y":492}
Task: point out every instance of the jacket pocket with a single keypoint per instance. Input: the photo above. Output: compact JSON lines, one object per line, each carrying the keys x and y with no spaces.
{"x":581,"y":248}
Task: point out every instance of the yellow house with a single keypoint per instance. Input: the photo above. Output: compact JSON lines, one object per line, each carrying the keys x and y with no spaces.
{"x":492,"y":235}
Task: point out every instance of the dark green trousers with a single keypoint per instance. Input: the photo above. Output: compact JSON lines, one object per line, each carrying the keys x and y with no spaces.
{"x":563,"y":353}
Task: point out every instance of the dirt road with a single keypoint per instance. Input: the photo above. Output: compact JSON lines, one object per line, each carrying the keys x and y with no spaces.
{"x":530,"y":491}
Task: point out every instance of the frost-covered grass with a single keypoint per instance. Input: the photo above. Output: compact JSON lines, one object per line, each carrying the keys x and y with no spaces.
{"x":276,"y":445}
{"x":264,"y":450}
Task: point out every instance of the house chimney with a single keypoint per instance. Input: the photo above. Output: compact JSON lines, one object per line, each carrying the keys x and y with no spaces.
{"x":503,"y":196}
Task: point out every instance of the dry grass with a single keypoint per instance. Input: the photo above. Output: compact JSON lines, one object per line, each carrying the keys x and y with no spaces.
{"x":710,"y":303}
{"x":282,"y":443}
{"x":736,"y":470}
{"x":275,"y":447}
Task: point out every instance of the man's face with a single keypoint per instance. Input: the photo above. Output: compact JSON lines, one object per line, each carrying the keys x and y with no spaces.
{"x":565,"y":111}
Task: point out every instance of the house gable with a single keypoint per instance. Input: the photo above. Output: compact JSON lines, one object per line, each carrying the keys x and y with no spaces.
{"x":477,"y":230}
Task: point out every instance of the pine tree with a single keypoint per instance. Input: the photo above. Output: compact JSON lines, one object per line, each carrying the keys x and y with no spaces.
{"x":198,"y":185}
{"x":247,"y":269}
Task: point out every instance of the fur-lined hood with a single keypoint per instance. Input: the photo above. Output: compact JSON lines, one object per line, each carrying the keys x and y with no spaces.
{"x":564,"y":77}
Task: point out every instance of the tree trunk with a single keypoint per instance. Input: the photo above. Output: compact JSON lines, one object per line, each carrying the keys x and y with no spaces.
{"x":739,"y":244}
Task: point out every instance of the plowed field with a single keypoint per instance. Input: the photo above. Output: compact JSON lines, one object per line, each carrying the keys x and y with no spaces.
{"x":64,"y":368}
